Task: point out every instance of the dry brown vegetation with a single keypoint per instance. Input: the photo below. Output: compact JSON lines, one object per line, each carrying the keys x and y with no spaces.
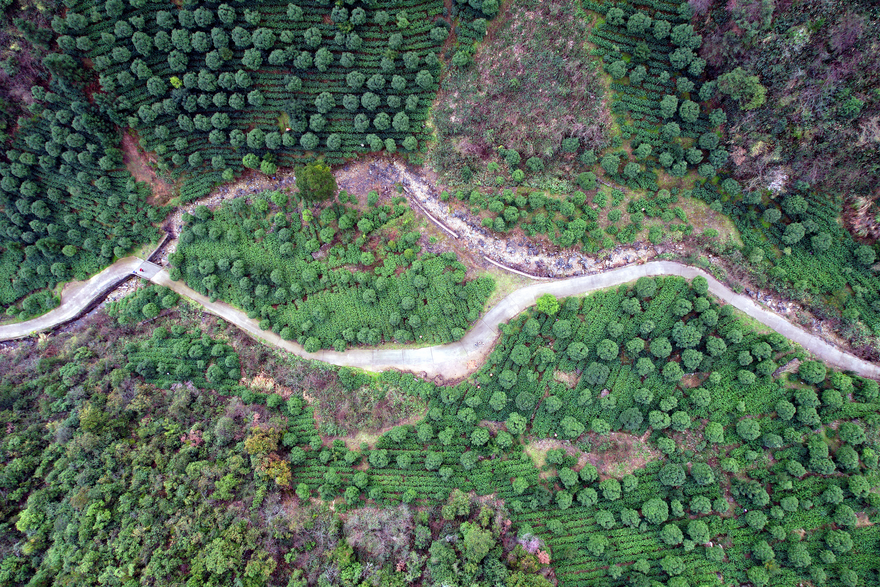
{"x":619,"y":453}
{"x":819,"y":62}
{"x":382,"y":533}
{"x":368,"y":410}
{"x":21,"y":68}
{"x":532,"y":85}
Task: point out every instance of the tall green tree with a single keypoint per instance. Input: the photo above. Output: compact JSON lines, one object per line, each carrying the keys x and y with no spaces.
{"x":315,"y":182}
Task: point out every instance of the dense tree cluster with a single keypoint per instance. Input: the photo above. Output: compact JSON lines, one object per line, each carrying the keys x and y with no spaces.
{"x":643,"y":435}
{"x":208,"y":91}
{"x":66,"y":207}
{"x":668,"y":100}
{"x":193,"y":85}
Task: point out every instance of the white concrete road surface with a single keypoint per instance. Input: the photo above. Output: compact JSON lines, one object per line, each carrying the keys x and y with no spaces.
{"x":453,"y":360}
{"x":463,"y":357}
{"x":75,"y":298}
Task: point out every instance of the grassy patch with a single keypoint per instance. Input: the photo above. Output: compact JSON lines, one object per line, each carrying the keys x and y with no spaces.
{"x":505,"y":284}
{"x":702,"y":218}
{"x":537,"y":454}
{"x":363,"y":414}
{"x":750,"y":323}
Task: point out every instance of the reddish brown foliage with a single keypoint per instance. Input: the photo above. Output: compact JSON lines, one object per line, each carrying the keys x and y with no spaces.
{"x":701,"y":7}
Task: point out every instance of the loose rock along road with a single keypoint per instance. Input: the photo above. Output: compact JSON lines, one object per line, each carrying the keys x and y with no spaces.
{"x":453,"y":360}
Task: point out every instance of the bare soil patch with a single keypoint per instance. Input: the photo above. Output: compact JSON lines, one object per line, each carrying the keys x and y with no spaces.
{"x":263,"y":383}
{"x":692,"y":380}
{"x":569,"y":379}
{"x":370,"y":437}
{"x":364,"y":414}
{"x":789,"y":367}
{"x":618,"y":453}
{"x":139,"y":164}
{"x":360,"y":177}
{"x":615,"y":455}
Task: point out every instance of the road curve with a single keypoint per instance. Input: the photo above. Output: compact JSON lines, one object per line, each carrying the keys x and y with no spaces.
{"x":76,"y":297}
{"x":465,"y":356}
{"x":453,"y":360}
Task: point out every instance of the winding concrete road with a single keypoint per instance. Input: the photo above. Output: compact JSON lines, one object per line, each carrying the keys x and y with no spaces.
{"x":465,"y":356}
{"x":450,"y":361}
{"x":76,"y":297}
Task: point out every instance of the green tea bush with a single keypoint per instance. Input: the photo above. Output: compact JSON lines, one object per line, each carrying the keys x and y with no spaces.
{"x":293,"y":267}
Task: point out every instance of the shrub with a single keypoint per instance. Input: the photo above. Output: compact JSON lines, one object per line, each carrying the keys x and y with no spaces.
{"x":812,"y":372}
{"x":672,"y":474}
{"x":744,"y":88}
{"x":865,"y":255}
{"x":507,"y":379}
